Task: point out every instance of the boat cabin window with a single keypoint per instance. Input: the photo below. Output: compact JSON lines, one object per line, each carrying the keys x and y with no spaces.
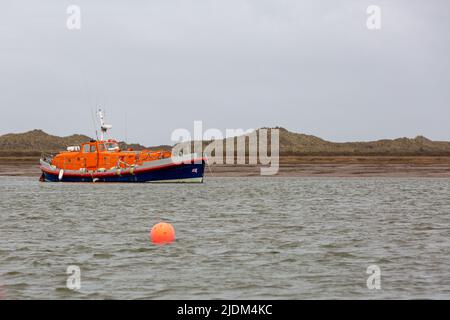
{"x":101,"y":147}
{"x":89,"y":148}
{"x":111,"y":146}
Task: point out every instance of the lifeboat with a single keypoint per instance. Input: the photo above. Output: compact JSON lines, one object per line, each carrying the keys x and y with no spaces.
{"x":102,"y":160}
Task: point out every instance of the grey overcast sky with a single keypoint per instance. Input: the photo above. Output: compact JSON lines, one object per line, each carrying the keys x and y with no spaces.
{"x":311,"y":66}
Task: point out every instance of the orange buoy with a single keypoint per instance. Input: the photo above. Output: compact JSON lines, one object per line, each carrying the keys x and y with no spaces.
{"x":162,"y":233}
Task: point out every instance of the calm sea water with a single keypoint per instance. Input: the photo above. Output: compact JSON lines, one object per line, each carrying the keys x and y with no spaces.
{"x":261,"y":238}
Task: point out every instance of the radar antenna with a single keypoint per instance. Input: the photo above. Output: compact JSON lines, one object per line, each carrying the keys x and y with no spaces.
{"x":103,"y":126}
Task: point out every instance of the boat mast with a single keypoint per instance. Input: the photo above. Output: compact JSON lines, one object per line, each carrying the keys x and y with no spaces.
{"x":104,"y":127}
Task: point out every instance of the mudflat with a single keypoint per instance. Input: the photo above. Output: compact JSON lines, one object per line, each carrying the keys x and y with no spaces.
{"x":348,"y":166}
{"x":296,"y":166}
{"x":19,"y":166}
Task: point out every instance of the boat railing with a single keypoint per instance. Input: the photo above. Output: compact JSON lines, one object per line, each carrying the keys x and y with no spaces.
{"x":47,"y":157}
{"x":124,"y":163}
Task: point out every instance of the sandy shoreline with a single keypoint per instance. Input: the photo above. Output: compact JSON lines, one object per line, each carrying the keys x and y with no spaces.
{"x":344,"y":166}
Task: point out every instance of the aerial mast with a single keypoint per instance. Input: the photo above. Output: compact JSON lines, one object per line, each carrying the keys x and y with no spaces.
{"x":104,"y":127}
